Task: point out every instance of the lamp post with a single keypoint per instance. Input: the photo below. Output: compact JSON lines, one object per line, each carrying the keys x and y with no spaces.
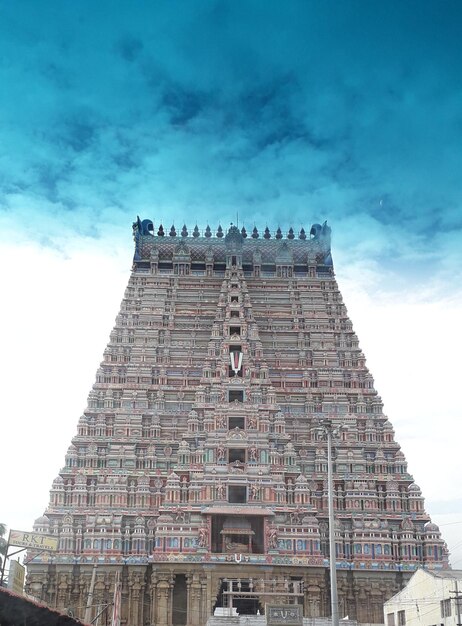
{"x":90,"y":594}
{"x":326,"y":427}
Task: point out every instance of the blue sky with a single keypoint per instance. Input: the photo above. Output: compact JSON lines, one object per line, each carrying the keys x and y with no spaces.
{"x":286,"y":113}
{"x":193,"y":111}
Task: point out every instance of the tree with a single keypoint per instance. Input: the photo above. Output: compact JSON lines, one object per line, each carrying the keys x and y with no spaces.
{"x":3,"y":542}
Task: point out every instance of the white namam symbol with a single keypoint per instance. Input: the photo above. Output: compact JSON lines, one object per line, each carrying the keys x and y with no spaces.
{"x":236,"y":361}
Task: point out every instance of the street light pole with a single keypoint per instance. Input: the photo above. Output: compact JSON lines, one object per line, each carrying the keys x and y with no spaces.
{"x":88,"y":608}
{"x":332,"y":551}
{"x":326,"y":427}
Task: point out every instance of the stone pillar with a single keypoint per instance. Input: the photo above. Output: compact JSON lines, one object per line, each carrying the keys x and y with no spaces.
{"x":208,"y":596}
{"x":153,"y":594}
{"x":63,"y":599}
{"x":204,"y":613}
{"x":194,"y":600}
{"x":188,"y":599}
{"x":163,"y":593}
{"x":342,"y":590}
{"x":135,"y":606}
{"x":361,"y":601}
{"x":312,"y":597}
{"x":376,"y":600}
{"x":350,"y":605}
{"x":100,"y":593}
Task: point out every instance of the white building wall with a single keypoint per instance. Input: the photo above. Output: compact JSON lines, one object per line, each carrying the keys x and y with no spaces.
{"x":419,"y":603}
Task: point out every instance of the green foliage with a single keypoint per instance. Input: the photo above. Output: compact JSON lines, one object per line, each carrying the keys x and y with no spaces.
{"x":3,"y":542}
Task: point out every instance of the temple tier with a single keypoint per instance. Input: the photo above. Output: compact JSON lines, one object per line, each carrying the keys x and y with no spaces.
{"x":198,"y":473}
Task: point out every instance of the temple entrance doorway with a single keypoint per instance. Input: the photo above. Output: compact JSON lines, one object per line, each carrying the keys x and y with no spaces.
{"x":248,"y":596}
{"x":238,"y":597}
{"x":247,"y":606}
{"x":179,"y":601}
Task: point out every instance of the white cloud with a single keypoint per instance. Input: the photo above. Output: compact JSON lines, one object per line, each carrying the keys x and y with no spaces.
{"x":412,"y":345}
{"x":56,"y":317}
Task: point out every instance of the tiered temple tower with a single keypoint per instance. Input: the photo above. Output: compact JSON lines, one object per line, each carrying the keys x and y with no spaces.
{"x":197,"y":471}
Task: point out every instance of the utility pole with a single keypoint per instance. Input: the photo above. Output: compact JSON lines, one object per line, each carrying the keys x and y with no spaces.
{"x":88,"y":608}
{"x":325,"y":426}
{"x":457,"y":598}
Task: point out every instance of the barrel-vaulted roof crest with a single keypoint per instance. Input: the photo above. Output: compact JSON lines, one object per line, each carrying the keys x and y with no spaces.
{"x":298,"y":245}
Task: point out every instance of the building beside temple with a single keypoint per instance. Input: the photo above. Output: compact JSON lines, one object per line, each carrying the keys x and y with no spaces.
{"x":430,"y":597}
{"x":197,"y":471}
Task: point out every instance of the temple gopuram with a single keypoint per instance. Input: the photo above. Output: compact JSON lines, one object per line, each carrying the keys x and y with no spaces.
{"x":198,"y":473}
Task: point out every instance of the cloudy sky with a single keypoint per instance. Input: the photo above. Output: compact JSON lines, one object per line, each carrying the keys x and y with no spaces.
{"x":283,"y":113}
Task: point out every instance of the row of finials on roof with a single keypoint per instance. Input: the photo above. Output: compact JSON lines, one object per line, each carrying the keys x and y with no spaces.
{"x":208,"y":233}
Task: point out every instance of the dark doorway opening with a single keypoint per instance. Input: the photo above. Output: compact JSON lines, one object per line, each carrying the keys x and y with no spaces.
{"x":236,"y":421}
{"x":236,"y":394}
{"x":237,"y":494}
{"x":180,"y":607}
{"x":243,"y":605}
{"x":246,"y":606}
{"x":221,"y":522}
{"x":236,"y":454}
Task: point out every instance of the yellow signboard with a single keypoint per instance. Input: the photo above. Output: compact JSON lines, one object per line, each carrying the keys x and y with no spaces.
{"x":16,"y":577}
{"x":33,"y":540}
